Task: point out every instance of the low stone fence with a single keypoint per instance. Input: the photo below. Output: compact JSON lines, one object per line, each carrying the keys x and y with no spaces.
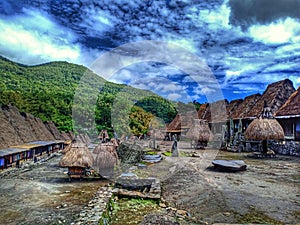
{"x":92,"y":214}
{"x":287,"y":148}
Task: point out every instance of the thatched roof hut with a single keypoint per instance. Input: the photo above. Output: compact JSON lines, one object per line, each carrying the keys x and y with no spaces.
{"x":103,"y":136}
{"x":66,"y":149}
{"x":275,"y":95}
{"x":202,"y":110}
{"x":264,"y":129}
{"x":182,"y":121}
{"x":77,"y":156}
{"x":232,"y":106}
{"x":243,"y":109}
{"x":291,"y":107}
{"x":199,"y":131}
{"x":106,"y":158}
{"x":213,"y":112}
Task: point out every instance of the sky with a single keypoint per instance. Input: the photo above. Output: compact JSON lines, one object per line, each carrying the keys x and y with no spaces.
{"x":244,"y":45}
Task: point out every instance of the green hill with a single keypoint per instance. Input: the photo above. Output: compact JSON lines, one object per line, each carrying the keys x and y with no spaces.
{"x":47,"y":91}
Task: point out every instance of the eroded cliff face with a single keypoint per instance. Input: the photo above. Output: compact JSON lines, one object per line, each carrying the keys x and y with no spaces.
{"x":17,"y":128}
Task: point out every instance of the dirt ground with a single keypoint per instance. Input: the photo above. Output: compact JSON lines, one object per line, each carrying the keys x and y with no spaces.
{"x":43,"y":195}
{"x":266,"y":193}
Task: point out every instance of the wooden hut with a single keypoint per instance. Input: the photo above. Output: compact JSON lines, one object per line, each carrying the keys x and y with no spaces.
{"x":180,"y":125}
{"x":265,"y":128}
{"x":289,"y":116}
{"x":78,"y":159}
{"x":106,"y":158}
{"x":274,"y":96}
{"x":199,"y":133}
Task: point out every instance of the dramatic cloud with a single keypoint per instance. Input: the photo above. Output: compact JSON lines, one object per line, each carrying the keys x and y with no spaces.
{"x":246,"y":44}
{"x":33,"y":38}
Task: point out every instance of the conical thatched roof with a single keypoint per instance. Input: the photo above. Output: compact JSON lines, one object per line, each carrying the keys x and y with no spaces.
{"x":199,"y":131}
{"x":77,"y":156}
{"x":107,"y":156}
{"x":103,"y":135}
{"x":264,"y":129}
{"x":292,"y":106}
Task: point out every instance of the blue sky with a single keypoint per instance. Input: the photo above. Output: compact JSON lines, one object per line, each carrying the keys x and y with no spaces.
{"x":245,"y":44}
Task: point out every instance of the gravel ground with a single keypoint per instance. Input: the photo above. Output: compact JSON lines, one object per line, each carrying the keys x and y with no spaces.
{"x":266,"y":193}
{"x":43,"y":195}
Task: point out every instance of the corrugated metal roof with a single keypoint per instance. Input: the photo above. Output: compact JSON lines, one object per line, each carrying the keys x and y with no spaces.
{"x":35,"y":144}
{"x":27,"y":146}
{"x":9,"y":151}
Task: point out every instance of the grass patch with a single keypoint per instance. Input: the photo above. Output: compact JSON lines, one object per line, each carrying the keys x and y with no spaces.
{"x":167,"y":153}
{"x":151,"y":153}
{"x":132,"y":210}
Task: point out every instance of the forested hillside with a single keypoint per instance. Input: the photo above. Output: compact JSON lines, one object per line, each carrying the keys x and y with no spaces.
{"x":47,"y":91}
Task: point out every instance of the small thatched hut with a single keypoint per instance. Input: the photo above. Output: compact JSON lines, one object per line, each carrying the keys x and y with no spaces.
{"x":265,"y":128}
{"x":199,"y":133}
{"x":106,"y":159}
{"x":103,"y":136}
{"x":77,"y":159}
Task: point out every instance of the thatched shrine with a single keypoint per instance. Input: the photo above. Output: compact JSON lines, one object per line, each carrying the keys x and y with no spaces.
{"x":265,"y":128}
{"x":103,"y":136}
{"x":106,"y":158}
{"x":77,"y":160}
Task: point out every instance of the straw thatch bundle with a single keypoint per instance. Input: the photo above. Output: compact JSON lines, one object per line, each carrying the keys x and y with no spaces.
{"x":264,"y":129}
{"x":106,"y":158}
{"x":103,"y":136}
{"x":115,"y":142}
{"x":199,"y":131}
{"x":66,"y":149}
{"x":77,"y":156}
{"x":292,"y":106}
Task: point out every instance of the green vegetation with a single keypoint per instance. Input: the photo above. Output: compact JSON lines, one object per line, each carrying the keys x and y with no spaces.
{"x":50,"y":92}
{"x":132,"y":211}
{"x":159,"y":107}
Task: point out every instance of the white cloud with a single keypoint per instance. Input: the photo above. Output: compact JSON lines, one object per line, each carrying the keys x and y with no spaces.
{"x":278,"y":32}
{"x":34,"y":39}
{"x":174,"y":96}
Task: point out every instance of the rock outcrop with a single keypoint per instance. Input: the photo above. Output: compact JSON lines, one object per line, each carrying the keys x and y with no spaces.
{"x":17,"y":127}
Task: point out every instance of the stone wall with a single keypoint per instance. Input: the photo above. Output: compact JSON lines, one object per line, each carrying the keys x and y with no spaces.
{"x":287,"y":148}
